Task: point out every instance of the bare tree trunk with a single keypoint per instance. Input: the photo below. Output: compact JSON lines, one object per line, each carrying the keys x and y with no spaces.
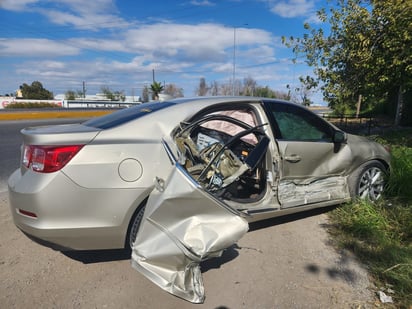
{"x":399,"y":107}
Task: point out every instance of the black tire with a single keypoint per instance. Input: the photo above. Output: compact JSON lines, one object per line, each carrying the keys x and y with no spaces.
{"x":368,"y":181}
{"x":134,"y":227}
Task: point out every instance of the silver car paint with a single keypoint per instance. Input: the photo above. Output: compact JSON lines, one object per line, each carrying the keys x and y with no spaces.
{"x":59,"y":135}
{"x":84,"y":206}
{"x":182,"y":226}
{"x":64,"y":218}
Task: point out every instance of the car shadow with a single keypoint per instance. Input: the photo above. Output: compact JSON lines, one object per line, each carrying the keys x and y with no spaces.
{"x":232,"y":252}
{"x":214,"y":263}
{"x":288,"y":218}
{"x":98,"y":256}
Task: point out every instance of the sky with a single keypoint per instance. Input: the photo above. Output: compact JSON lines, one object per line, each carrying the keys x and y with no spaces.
{"x":125,"y":45}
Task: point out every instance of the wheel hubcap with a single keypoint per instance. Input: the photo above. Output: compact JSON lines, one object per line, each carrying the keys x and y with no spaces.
{"x":371,"y":184}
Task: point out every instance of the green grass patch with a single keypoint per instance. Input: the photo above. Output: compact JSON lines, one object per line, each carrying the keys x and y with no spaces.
{"x":380,"y":234}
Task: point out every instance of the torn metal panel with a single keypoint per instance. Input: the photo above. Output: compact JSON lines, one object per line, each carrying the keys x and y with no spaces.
{"x":327,"y":189}
{"x":182,"y":226}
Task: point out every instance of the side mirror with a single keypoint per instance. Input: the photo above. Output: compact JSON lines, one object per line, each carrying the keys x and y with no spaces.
{"x":339,"y":137}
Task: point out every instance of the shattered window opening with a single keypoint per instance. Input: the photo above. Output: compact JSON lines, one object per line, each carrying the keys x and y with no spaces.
{"x":218,"y":149}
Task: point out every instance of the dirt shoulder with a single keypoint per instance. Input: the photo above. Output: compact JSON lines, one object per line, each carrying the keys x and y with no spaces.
{"x":283,"y":263}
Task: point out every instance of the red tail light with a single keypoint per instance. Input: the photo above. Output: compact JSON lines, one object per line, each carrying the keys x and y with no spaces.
{"x":48,"y":159}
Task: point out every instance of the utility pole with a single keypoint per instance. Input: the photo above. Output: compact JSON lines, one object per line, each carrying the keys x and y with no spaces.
{"x":153,"y":77}
{"x":84,"y":89}
{"x":234,"y":59}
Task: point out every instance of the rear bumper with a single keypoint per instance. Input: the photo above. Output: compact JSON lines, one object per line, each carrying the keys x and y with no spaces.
{"x":56,"y":212}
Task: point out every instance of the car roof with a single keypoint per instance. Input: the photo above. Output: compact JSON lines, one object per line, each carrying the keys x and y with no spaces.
{"x":180,"y":105}
{"x":222,"y":99}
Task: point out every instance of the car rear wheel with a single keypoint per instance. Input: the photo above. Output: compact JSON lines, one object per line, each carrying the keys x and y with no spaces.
{"x":134,"y":227}
{"x":368,"y":181}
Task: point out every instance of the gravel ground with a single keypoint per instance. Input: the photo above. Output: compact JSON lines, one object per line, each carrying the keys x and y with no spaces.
{"x":282,"y":263}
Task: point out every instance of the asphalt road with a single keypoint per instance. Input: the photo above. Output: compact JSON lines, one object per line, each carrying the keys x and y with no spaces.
{"x":286,"y":262}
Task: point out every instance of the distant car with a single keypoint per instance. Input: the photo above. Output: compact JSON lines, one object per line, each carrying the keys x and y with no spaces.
{"x":177,"y":166}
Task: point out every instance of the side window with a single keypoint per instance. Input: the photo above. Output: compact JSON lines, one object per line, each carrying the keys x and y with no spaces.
{"x":298,"y":124}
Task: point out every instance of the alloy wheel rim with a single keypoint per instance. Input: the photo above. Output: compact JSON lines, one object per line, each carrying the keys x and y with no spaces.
{"x":371,"y":184}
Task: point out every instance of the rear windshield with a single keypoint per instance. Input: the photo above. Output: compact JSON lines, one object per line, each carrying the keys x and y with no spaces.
{"x":126,"y":115}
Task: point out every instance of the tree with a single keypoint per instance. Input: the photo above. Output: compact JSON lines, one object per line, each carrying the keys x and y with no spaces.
{"x":156,"y":88}
{"x":173,"y":90}
{"x":236,"y":87}
{"x":73,"y":95}
{"x":367,"y":54}
{"x":214,"y":88}
{"x":81,"y":93}
{"x":393,"y":23}
{"x":202,"y":89}
{"x":249,"y":86}
{"x":302,"y":93}
{"x":35,"y":91}
{"x":145,"y":94}
{"x":70,"y":95}
{"x":107,"y":93}
{"x":269,"y":93}
{"x":226,"y":89}
{"x":113,"y":95}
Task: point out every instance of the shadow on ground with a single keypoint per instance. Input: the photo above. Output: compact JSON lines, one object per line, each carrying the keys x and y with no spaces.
{"x":99,"y":256}
{"x":288,"y":218}
{"x":342,"y":271}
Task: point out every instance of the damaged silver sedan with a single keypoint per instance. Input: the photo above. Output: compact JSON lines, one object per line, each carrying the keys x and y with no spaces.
{"x":179,"y":181}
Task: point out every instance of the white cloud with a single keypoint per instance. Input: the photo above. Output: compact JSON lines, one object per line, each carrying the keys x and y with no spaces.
{"x":203,"y":42}
{"x":84,"y":8}
{"x":26,"y":47}
{"x":258,"y":55}
{"x":177,"y":52}
{"x":16,"y":5}
{"x":202,"y":3}
{"x":89,"y":21}
{"x":313,"y":19}
{"x":110,"y":45}
{"x":91,"y":15}
{"x":293,"y":8}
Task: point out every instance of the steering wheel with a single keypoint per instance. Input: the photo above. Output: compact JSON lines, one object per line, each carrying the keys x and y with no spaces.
{"x":220,"y":157}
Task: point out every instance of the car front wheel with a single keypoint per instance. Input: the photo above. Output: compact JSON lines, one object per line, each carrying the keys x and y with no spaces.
{"x":368,"y":181}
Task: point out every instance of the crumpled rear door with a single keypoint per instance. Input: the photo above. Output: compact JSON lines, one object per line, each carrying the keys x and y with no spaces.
{"x":182,"y":226}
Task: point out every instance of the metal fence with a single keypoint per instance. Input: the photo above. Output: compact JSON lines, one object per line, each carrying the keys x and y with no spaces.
{"x":353,"y":124}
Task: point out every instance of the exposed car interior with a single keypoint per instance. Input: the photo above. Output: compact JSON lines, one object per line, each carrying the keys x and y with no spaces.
{"x":224,"y":151}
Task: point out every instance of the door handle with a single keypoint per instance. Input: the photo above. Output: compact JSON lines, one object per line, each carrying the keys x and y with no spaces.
{"x":294,"y":158}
